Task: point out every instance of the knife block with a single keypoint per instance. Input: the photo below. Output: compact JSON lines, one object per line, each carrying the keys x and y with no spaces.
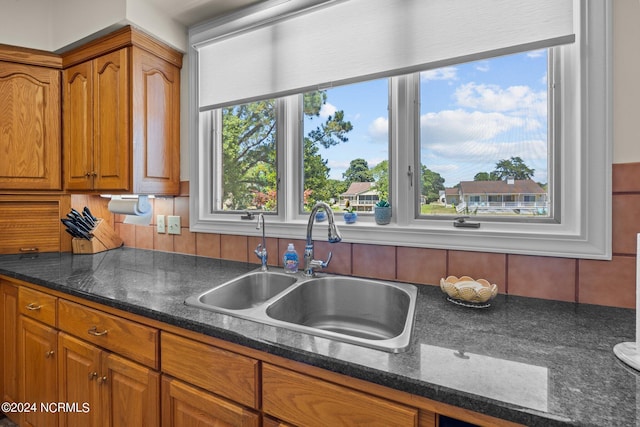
{"x":103,"y":238}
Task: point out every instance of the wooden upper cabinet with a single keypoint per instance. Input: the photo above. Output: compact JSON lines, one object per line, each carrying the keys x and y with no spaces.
{"x":96,"y":124}
{"x":156,"y":124}
{"x":121,"y":102}
{"x":30,"y":140}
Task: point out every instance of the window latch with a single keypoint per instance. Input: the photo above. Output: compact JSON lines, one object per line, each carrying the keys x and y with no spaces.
{"x":248,"y":215}
{"x":461,"y":222}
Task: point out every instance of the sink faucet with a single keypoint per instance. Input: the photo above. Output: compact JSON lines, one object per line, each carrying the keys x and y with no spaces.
{"x":311,"y":264}
{"x":261,"y":249}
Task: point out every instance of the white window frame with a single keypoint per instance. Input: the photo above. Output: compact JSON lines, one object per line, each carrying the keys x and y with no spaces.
{"x":583,"y":142}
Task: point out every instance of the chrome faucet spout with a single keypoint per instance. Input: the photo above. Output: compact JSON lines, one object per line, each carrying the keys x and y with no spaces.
{"x":334,"y":236}
{"x":261,"y":250}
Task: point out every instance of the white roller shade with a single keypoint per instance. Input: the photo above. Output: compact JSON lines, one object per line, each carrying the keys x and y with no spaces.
{"x":358,"y":39}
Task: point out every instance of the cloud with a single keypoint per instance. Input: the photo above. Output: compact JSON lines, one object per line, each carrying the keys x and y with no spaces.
{"x":483,"y":66}
{"x":327,"y":110}
{"x":459,"y":125}
{"x":490,"y":152}
{"x":536,"y":53}
{"x":494,"y":98}
{"x":379,"y":129}
{"x":445,"y":73}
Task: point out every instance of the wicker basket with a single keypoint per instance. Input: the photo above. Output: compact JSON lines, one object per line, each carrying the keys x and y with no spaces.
{"x":467,"y":289}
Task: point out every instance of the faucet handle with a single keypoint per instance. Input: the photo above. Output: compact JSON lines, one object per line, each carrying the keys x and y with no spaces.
{"x":317,"y":263}
{"x":325,"y":264}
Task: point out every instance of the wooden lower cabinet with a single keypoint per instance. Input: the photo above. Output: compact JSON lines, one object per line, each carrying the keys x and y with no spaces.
{"x":78,"y":366}
{"x":107,"y":389}
{"x":67,"y":352}
{"x":184,"y":405}
{"x":9,"y":345}
{"x":307,"y":401}
{"x":38,"y":374}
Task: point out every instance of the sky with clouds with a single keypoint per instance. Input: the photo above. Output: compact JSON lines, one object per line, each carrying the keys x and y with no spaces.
{"x":472,"y":116}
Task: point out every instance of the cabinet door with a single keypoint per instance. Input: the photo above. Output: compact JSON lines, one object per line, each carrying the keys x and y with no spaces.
{"x":29,"y":128}
{"x":187,"y":406}
{"x":9,"y":343}
{"x":38,"y":373}
{"x":133,"y":393}
{"x":308,"y":401}
{"x":80,"y":381}
{"x":156,"y":124}
{"x":78,"y":126}
{"x":111,"y":152}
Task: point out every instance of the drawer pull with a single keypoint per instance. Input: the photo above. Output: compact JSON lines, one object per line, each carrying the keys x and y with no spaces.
{"x":49,"y":354}
{"x":94,"y":331}
{"x":28,"y":249}
{"x":33,"y":307}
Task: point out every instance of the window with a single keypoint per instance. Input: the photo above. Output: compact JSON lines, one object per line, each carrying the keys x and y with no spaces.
{"x":483,"y":130}
{"x":346,"y":145}
{"x":552,"y":127}
{"x":246,"y":176}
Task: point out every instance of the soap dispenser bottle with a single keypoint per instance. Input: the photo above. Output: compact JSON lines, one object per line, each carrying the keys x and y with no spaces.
{"x":290,"y":260}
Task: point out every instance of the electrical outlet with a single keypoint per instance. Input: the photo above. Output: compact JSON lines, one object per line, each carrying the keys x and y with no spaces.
{"x":160,"y":225}
{"x":173,"y":223}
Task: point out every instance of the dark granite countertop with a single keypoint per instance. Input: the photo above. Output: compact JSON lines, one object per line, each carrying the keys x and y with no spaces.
{"x":535,"y":362}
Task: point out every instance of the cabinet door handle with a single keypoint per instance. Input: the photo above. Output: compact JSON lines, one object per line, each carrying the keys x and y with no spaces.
{"x":49,"y":354}
{"x":33,"y":307}
{"x":93,"y":376}
{"x":94,"y":331}
{"x":102,"y":380}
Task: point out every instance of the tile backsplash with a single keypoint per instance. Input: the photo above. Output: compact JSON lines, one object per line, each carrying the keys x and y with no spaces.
{"x":610,"y":283}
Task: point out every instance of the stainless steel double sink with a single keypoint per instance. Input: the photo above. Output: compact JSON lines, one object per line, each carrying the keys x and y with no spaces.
{"x":369,"y":313}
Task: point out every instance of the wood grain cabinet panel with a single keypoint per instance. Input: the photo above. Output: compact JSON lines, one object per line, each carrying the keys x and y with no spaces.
{"x":37,"y":305}
{"x":32,"y":224}
{"x":187,"y":406}
{"x":130,"y":339}
{"x":109,"y":390}
{"x":156,"y":124}
{"x":308,"y":401}
{"x":122,"y":116}
{"x":80,"y":381}
{"x":9,"y":345}
{"x":133,"y":393}
{"x":96,"y":123}
{"x":30,"y":139}
{"x":38,"y":371}
{"x":222,"y":372}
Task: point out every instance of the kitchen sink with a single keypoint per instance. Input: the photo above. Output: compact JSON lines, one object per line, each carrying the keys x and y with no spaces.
{"x":370,"y":313}
{"x":364,"y":309}
{"x":244,"y":292}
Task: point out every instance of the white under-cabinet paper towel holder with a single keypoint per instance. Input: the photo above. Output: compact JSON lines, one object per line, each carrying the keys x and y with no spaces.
{"x":137,"y":209}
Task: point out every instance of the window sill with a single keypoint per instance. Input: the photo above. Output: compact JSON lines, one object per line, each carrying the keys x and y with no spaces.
{"x":548,"y":240}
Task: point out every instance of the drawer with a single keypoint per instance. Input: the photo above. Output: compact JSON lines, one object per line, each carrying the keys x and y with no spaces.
{"x":124,"y":337}
{"x":220,"y":371}
{"x":37,"y":305}
{"x":304,"y":400}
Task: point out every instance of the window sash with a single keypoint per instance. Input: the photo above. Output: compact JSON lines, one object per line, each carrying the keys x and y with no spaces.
{"x":584,"y":153}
